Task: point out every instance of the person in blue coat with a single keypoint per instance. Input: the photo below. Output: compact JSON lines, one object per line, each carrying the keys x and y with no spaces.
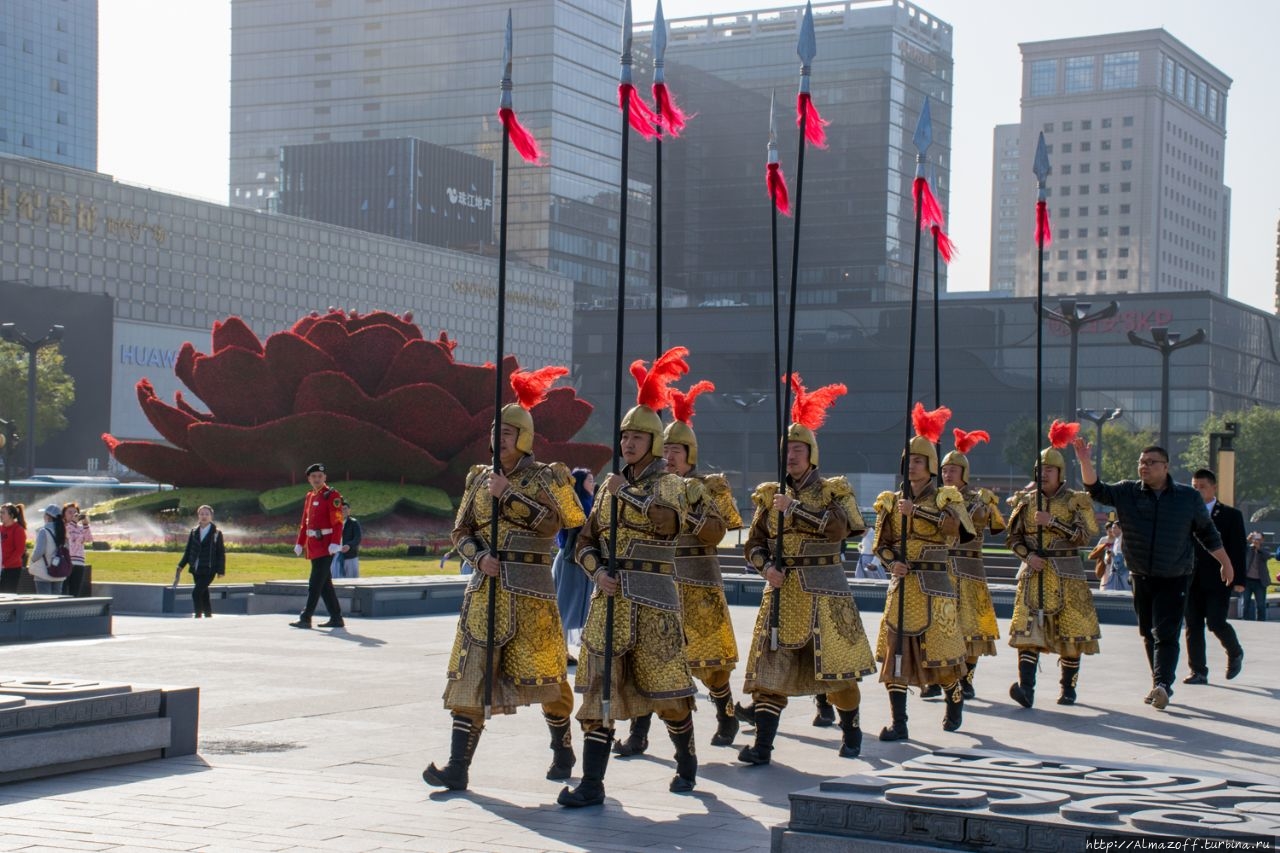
{"x":573,"y":587}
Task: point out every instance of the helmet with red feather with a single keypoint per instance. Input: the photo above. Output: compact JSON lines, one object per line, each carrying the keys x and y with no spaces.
{"x":809,"y":413}
{"x":680,"y":430}
{"x":965,"y":441}
{"x":653,"y":393}
{"x":531,"y":388}
{"x":928,"y":427}
{"x":1061,"y":433}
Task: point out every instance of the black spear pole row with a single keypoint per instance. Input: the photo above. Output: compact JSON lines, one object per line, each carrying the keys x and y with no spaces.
{"x":657,"y":249}
{"x":786,"y":378}
{"x":780,"y":425}
{"x":906,"y":444}
{"x":937,"y":334}
{"x":1039,"y":419}
{"x":492,"y":614}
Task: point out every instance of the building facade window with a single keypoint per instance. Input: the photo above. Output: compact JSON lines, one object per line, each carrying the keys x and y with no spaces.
{"x":1120,"y":70}
{"x":1044,"y":77}
{"x":1078,"y":76}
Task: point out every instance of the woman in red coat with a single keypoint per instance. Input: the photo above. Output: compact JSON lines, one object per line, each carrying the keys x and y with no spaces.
{"x":13,"y":545}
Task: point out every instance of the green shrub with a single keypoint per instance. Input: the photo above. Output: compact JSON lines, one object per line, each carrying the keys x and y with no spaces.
{"x":184,"y":501}
{"x":371,"y":499}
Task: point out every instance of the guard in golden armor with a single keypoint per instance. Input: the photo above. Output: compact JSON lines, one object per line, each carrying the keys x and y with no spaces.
{"x":1053,"y":610}
{"x":920,"y":640}
{"x":977,"y":614}
{"x":648,"y":670}
{"x":821,"y":646}
{"x":534,"y":501}
{"x":710,"y":646}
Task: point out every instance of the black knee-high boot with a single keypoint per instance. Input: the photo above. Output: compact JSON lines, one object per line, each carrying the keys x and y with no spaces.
{"x":595,"y":760}
{"x":966,"y":683}
{"x":955,"y":707}
{"x":681,"y":733}
{"x":931,"y":691}
{"x":851,"y":733}
{"x":1023,"y":691}
{"x":746,"y":714}
{"x":466,"y":734}
{"x":726,"y":721}
{"x":826,"y":713}
{"x":1070,"y":676}
{"x":562,"y":757}
{"x":767,"y":715}
{"x":897,"y":730}
{"x":637,"y":739}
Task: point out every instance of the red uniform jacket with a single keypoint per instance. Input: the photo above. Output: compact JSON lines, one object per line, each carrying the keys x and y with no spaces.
{"x":321,"y":522}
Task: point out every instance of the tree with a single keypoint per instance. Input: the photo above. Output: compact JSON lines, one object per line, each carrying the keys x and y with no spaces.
{"x":55,"y":391}
{"x":1257,"y":446}
{"x":1020,"y":447}
{"x":1121,"y":447}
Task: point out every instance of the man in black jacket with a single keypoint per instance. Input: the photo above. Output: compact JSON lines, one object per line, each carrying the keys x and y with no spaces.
{"x":1158,"y":519}
{"x":1209,"y":598}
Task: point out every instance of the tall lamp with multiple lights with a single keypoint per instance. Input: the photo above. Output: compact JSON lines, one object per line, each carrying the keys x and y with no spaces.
{"x":10,"y":333}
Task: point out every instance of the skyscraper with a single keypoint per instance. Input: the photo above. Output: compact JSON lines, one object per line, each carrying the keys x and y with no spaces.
{"x":49,"y":81}
{"x":1006,"y":170}
{"x":875,"y":65}
{"x":1135,"y":123}
{"x":343,"y":70}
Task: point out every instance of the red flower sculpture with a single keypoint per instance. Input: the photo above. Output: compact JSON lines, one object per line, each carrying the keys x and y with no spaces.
{"x":368,"y":395}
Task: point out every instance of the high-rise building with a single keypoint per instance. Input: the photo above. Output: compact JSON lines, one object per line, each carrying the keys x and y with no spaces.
{"x":875,"y":65}
{"x":49,"y":81}
{"x":345,"y":70}
{"x":1136,"y":129}
{"x":1006,"y":169}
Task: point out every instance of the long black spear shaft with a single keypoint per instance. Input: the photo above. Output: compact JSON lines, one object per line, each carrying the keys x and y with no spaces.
{"x":491,"y":617}
{"x":1039,"y":417}
{"x":657,"y":252}
{"x":906,"y":452}
{"x":937,"y":331}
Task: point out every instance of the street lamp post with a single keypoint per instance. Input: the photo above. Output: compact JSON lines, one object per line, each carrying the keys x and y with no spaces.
{"x":1165,"y":342}
{"x":1098,"y":417}
{"x":1074,"y":315}
{"x":10,"y":333}
{"x":745,"y":402}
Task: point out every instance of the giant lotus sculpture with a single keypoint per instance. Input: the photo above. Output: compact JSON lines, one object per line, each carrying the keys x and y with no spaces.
{"x":368,"y":394}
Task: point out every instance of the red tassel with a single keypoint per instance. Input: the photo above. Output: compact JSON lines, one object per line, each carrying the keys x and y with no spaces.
{"x":642,"y":119}
{"x":524,"y":141}
{"x":777,"y":186}
{"x":946,"y":248}
{"x":1044,"y":234}
{"x":669,"y":113}
{"x":1062,"y":433}
{"x":927,"y":207}
{"x":807,"y":115}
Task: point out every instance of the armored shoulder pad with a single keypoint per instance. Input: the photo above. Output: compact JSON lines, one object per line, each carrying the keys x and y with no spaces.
{"x":716,"y":484}
{"x":948,"y":495}
{"x":1022,"y":498}
{"x":763,"y":495}
{"x":836,"y":488}
{"x":694,"y":490}
{"x":476,"y":471}
{"x":885,"y":503}
{"x":560,"y":473}
{"x":556,"y":480}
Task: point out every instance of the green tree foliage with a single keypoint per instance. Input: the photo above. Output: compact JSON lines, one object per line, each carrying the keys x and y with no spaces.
{"x":1121,"y":447}
{"x":55,"y":391}
{"x":1020,"y":447}
{"x":1257,"y":446}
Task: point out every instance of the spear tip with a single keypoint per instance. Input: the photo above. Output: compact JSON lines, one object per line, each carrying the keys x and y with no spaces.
{"x":807,"y":45}
{"x":1041,"y":165}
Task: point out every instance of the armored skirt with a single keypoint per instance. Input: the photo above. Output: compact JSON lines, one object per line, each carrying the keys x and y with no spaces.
{"x":649,"y":672}
{"x":529,"y":661}
{"x":976,"y":612}
{"x":932,"y":647}
{"x":822,"y":646}
{"x":1065,"y":621}
{"x":710,"y":646}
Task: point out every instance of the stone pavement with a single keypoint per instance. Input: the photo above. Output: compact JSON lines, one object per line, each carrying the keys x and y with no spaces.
{"x":314,"y":740}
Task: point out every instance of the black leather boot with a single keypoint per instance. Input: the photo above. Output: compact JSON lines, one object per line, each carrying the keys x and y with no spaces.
{"x":897,"y":729}
{"x":966,"y":683}
{"x":851,"y":729}
{"x":562,"y":757}
{"x":826,"y":713}
{"x":1070,"y":676}
{"x":931,"y":691}
{"x":1023,"y":691}
{"x":746,"y":714}
{"x":637,"y":739}
{"x":466,"y":734}
{"x":955,"y":707}
{"x":681,"y":733}
{"x":726,"y":722}
{"x":595,"y":760}
{"x":766,"y":730}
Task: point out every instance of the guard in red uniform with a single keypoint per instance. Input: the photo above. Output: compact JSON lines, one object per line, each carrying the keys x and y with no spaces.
{"x":320,"y":537}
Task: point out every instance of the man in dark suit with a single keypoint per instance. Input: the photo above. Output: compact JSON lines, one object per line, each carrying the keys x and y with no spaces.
{"x":1209,"y":598}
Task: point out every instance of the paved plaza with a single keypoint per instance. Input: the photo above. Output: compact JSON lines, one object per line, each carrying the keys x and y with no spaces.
{"x":314,"y":740}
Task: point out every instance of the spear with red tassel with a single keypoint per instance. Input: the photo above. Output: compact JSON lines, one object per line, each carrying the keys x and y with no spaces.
{"x":1040,"y":167}
{"x":776,"y":184}
{"x":671,"y":120}
{"x":811,"y":126}
{"x":527,"y":146}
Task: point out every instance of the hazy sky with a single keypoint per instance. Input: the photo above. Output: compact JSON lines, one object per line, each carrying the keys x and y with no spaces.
{"x":164,"y":101}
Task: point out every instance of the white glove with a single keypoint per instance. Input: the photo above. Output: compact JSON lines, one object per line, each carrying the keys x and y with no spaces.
{"x":334,"y":549}
{"x":297,"y":550}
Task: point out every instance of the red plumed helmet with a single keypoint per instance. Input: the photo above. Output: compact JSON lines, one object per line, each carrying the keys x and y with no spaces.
{"x":809,"y":412}
{"x":653,"y":393}
{"x":682,"y":401}
{"x":531,"y":386}
{"x":966,"y":441}
{"x":930,"y":424}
